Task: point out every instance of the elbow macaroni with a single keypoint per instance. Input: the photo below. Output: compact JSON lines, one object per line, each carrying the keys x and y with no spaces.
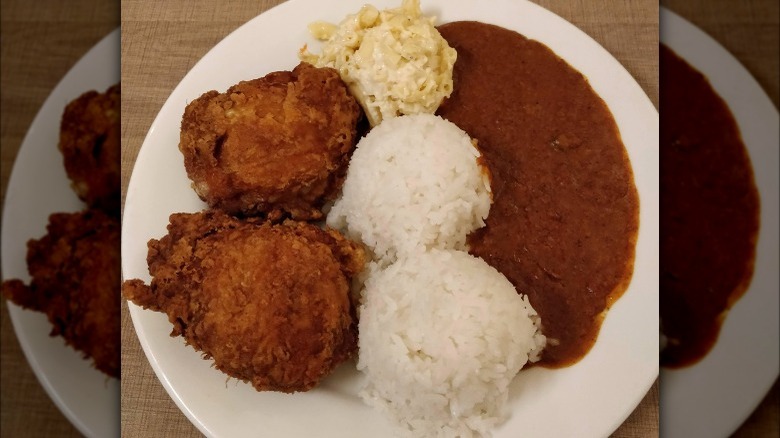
{"x":393,"y":61}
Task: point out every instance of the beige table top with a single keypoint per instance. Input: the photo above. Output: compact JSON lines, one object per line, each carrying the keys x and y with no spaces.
{"x":41,"y":41}
{"x":163,"y":40}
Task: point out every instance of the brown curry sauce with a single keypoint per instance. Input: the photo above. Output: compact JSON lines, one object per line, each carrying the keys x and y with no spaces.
{"x":564,"y":221}
{"x":709,"y":212}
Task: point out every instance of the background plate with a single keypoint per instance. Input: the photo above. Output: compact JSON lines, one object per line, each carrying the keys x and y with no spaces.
{"x":38,"y":187}
{"x":713,"y":397}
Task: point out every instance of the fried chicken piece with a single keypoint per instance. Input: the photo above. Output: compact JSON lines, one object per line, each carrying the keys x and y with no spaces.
{"x":269,"y":303}
{"x":278,"y":145}
{"x":75,"y":272}
{"x":90,"y":146}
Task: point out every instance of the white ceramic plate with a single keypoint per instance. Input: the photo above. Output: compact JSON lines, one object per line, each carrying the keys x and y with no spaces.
{"x":37,"y":188}
{"x":589,"y":399}
{"x":713,"y":397}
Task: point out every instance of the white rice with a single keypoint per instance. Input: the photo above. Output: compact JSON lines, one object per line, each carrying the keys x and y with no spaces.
{"x":442,"y":334}
{"x":413,"y":184}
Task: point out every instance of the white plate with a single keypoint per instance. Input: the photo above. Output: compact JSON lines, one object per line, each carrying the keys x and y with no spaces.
{"x":589,"y":399}
{"x":714,"y":396}
{"x":37,"y":188}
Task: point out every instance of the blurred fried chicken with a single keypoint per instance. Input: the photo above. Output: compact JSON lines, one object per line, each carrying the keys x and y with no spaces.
{"x":90,"y":145}
{"x":269,"y":303}
{"x":278,"y":145}
{"x":75,"y":272}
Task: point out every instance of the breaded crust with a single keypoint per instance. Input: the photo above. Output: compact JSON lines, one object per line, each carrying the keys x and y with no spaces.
{"x":90,"y":146}
{"x":276,"y":146}
{"x":269,"y":303}
{"x":76,"y":277}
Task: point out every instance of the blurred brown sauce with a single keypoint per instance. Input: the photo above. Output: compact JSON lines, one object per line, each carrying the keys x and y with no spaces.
{"x":564,"y":221}
{"x":709,"y":212}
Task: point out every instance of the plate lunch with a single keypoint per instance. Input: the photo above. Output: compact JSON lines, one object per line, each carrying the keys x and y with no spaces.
{"x":589,"y":399}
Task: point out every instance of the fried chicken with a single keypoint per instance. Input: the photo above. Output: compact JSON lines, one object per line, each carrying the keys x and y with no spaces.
{"x":268,"y":303}
{"x":276,"y":146}
{"x":90,"y":146}
{"x":75,"y":272}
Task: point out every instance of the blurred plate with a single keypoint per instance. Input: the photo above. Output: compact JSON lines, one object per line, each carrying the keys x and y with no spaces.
{"x":589,"y":399}
{"x":38,"y":187}
{"x":714,"y":396}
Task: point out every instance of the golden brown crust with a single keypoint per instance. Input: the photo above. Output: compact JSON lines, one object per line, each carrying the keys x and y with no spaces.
{"x":269,"y":303}
{"x":75,"y":272}
{"x":90,"y":146}
{"x":275,"y":146}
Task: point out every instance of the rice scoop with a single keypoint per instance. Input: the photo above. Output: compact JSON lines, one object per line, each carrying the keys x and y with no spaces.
{"x":414,"y":183}
{"x":442,"y":335}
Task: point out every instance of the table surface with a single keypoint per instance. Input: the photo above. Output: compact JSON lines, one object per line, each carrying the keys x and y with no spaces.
{"x":163,"y":40}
